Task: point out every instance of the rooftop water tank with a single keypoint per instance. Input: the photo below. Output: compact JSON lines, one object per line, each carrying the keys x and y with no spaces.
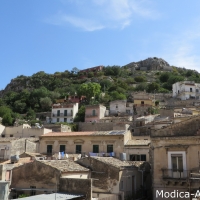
{"x":14,"y":159}
{"x":123,"y":156}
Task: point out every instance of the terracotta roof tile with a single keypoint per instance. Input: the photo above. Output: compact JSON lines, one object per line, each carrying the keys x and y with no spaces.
{"x":64,"y":165}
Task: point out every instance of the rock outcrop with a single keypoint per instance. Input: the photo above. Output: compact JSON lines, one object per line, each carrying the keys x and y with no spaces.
{"x":150,"y":64}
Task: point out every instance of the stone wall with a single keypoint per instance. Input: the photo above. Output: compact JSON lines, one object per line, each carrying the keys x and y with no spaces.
{"x":76,"y":186}
{"x":107,"y":175}
{"x":189,"y":127}
{"x":23,"y":145}
{"x":35,"y":174}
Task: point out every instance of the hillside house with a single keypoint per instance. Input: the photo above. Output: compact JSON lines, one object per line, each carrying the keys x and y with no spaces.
{"x":93,"y":113}
{"x":63,"y":112}
{"x":186,"y":90}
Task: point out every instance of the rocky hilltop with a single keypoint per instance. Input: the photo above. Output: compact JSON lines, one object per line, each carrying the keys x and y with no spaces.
{"x":150,"y":64}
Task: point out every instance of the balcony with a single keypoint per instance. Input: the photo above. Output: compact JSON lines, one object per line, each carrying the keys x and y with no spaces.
{"x":61,"y":115}
{"x":175,"y":174}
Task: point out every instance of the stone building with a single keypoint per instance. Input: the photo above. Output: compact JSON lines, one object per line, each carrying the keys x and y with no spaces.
{"x":16,"y":146}
{"x":174,"y":157}
{"x":63,"y":112}
{"x":22,"y":131}
{"x":186,"y":90}
{"x":93,"y":113}
{"x":99,"y":142}
{"x":50,"y":176}
{"x":113,"y":177}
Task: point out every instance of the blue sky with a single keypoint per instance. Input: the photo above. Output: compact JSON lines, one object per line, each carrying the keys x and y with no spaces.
{"x":54,"y":36}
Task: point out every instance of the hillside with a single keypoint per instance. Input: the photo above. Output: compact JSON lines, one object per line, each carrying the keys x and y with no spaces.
{"x":36,"y":93}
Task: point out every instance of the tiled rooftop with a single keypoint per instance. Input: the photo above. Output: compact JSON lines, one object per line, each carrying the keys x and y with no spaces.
{"x":118,"y":163}
{"x":64,"y":165}
{"x":56,"y":134}
{"x":138,"y":142}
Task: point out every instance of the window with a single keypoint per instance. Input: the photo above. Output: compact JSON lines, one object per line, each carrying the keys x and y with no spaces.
{"x":95,"y":148}
{"x":58,"y":119}
{"x":109,"y":148}
{"x":177,"y":163}
{"x":116,"y":106}
{"x":2,"y":135}
{"x":71,"y":112}
{"x":11,"y":135}
{"x":142,"y":102}
{"x":65,"y":112}
{"x":58,"y":112}
{"x":62,"y":148}
{"x":128,"y":111}
{"x":138,"y":157}
{"x":33,"y":192}
{"x":93,"y":112}
{"x":65,"y":119}
{"x":190,"y":89}
{"x":49,"y":149}
{"x":143,"y":157}
{"x":78,"y":148}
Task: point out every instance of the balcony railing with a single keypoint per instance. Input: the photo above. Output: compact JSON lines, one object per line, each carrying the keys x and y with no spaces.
{"x":61,"y":115}
{"x":175,"y":174}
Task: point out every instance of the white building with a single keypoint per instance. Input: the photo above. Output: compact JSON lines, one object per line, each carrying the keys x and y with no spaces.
{"x":121,"y":106}
{"x":65,"y":112}
{"x":186,"y":90}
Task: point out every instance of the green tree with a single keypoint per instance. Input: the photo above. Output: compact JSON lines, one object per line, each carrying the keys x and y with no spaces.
{"x":30,"y":115}
{"x":80,"y":116}
{"x":36,"y":95}
{"x":45,"y":103}
{"x":7,"y":120}
{"x":89,"y":90}
{"x":19,"y":106}
{"x":117,"y":96}
{"x":164,"y":77}
{"x":141,"y":87}
{"x":4,"y":110}
{"x":140,"y":79}
{"x":152,"y":87}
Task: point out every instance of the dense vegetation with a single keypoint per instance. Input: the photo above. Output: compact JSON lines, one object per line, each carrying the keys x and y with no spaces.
{"x":27,"y":95}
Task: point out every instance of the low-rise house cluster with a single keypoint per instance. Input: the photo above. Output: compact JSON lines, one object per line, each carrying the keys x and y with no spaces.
{"x":150,"y":156}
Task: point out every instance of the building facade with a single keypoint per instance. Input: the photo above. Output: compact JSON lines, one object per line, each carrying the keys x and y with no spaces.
{"x":175,"y":159}
{"x":64,"y":112}
{"x":93,"y":113}
{"x":102,"y":143}
{"x":186,"y":90}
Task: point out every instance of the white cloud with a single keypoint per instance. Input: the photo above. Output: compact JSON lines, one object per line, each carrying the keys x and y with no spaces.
{"x":85,"y":24}
{"x":182,"y":49}
{"x":98,"y":14}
